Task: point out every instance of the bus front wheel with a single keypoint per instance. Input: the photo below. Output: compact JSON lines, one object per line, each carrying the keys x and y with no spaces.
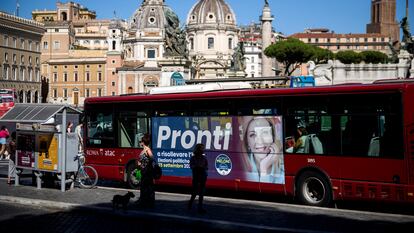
{"x":313,"y":188}
{"x":132,"y":181}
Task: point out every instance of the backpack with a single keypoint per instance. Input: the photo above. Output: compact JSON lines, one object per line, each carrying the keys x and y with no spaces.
{"x":157,"y":172}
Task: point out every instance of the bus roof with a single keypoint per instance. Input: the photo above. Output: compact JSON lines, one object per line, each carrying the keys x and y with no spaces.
{"x":335,"y":89}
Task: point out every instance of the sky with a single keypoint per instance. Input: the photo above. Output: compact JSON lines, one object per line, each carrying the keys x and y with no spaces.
{"x":291,"y":16}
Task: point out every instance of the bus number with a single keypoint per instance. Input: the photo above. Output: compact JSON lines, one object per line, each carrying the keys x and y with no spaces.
{"x":310,"y":160}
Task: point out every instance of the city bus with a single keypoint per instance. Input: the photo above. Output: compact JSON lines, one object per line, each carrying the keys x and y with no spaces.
{"x":315,"y":144}
{"x":7,"y":99}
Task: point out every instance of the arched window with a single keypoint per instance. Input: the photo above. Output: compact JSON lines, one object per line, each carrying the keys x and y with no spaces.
{"x":177,"y":79}
{"x":130,"y":90}
{"x":64,"y":16}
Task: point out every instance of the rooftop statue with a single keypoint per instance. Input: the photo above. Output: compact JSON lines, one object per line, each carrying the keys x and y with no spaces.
{"x":239,"y":61}
{"x":175,"y":38}
{"x":407,"y":40}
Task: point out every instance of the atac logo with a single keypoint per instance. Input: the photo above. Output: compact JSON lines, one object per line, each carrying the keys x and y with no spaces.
{"x":223,"y":164}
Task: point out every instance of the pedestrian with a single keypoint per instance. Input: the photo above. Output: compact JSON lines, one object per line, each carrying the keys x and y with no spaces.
{"x":4,"y":134}
{"x":79,"y":133}
{"x":12,"y":152}
{"x":146,"y":164}
{"x":69,"y":127}
{"x":199,"y":167}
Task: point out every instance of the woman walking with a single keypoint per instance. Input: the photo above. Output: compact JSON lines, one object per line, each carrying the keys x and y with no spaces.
{"x":199,"y":167}
{"x":145,"y":162}
{"x":12,"y":151}
{"x":4,"y":134}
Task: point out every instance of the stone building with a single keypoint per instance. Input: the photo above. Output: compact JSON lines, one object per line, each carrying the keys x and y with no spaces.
{"x":20,"y":56}
{"x":335,"y":42}
{"x":212,"y":34}
{"x":73,"y":52}
{"x":383,"y":19}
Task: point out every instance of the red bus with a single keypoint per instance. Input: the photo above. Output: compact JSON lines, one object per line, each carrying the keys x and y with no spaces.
{"x":7,"y":99}
{"x":317,"y":144}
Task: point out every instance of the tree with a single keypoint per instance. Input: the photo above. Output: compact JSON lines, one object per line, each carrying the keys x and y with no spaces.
{"x":321,"y":55}
{"x":349,"y":57}
{"x":374,"y":57}
{"x":291,"y":52}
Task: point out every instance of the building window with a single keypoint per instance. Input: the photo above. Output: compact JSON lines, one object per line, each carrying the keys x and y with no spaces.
{"x":113,"y":93}
{"x":113,"y":72}
{"x":230,"y":43}
{"x":55,"y":77}
{"x":22,"y":59}
{"x":75,"y":76}
{"x":151,"y":53}
{"x":88,"y":77}
{"x":37,"y":61}
{"x":15,"y":42}
{"x":6,"y":57}
{"x":30,"y":60}
{"x":329,"y":40}
{"x":55,"y":93}
{"x":65,"y":92}
{"x":30,"y":71}
{"x":22,"y":43}
{"x":113,"y":83}
{"x":22,"y":74}
{"x":14,"y":73}
{"x":6,"y":41}
{"x":192,"y":43}
{"x":37,"y":47}
{"x":56,"y":45}
{"x":65,"y":77}
{"x":113,"y":45}
{"x":30,"y":45}
{"x":14,"y":58}
{"x":309,"y":40}
{"x":6,"y":72}
{"x":252,"y":60}
{"x":210,"y":43}
{"x":45,"y":45}
{"x":99,"y":91}
{"x":87,"y":92}
{"x":37,"y":75}
{"x":100,"y":76}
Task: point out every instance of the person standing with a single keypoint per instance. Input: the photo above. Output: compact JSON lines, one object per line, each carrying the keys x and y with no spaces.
{"x":4,"y":134}
{"x":146,"y":164}
{"x":199,"y":167}
{"x":79,"y":133}
{"x":69,"y":127}
{"x":12,"y":151}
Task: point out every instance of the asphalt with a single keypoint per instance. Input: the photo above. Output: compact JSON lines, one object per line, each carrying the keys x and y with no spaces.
{"x":222,"y":213}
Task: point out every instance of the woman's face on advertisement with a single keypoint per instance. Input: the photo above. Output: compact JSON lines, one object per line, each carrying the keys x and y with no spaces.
{"x":259,"y":136}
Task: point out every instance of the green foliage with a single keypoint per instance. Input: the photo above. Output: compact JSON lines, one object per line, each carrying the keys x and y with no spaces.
{"x":349,"y":57}
{"x":291,"y":52}
{"x":321,"y":55}
{"x":374,"y":57}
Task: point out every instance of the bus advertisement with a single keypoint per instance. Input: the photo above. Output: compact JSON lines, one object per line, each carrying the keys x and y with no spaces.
{"x":316,"y":144}
{"x":7,"y":100}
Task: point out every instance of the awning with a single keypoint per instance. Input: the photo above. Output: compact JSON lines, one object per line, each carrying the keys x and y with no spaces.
{"x":36,"y":113}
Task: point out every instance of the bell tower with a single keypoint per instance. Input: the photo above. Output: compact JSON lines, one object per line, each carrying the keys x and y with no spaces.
{"x":383,"y":19}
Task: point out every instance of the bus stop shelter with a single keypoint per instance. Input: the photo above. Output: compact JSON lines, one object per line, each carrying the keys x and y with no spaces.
{"x":43,"y":144}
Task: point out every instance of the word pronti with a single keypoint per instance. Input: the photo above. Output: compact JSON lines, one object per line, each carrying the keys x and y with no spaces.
{"x":218,"y":139}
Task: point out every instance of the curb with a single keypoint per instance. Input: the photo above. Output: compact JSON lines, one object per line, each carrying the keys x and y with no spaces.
{"x":148,"y":215}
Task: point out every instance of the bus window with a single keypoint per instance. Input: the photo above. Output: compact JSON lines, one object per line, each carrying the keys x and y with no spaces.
{"x":131,"y":127}
{"x":266,"y":107}
{"x":211,"y":108}
{"x":166,"y":109}
{"x":100,"y":129}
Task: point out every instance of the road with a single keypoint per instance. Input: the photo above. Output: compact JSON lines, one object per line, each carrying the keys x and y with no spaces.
{"x":23,"y":218}
{"x":225,"y":213}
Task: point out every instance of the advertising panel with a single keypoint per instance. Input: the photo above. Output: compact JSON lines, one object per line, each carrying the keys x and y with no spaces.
{"x":47,"y":152}
{"x":248,"y":148}
{"x":25,"y":150}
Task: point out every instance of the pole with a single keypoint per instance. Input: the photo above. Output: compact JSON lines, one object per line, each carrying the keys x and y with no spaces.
{"x":63,"y":158}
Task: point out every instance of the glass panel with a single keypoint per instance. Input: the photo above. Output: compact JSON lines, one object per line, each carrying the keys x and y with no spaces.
{"x":131,"y":128}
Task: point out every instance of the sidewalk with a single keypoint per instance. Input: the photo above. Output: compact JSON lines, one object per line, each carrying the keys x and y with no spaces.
{"x":222,"y":213}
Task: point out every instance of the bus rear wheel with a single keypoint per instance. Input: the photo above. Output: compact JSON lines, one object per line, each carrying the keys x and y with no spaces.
{"x":132,"y":181}
{"x":313,"y":188}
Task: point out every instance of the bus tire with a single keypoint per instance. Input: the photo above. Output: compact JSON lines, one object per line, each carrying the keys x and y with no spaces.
{"x":314,"y":189}
{"x":131,"y":180}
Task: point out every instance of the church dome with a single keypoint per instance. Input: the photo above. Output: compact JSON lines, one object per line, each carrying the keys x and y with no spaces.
{"x":151,"y":15}
{"x":211,"y":12}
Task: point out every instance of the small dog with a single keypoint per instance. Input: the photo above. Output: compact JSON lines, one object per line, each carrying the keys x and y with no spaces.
{"x":122,"y":200}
